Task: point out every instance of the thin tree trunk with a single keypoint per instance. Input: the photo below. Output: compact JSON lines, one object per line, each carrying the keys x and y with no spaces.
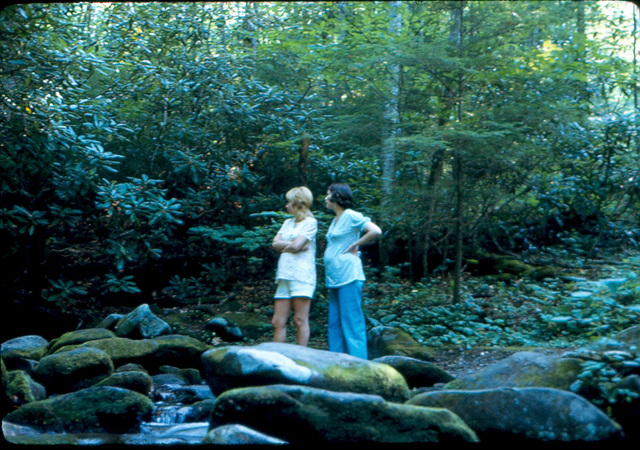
{"x":635,"y":58}
{"x":391,"y":112}
{"x":459,"y":226}
{"x":391,"y":122}
{"x":581,"y":40}
{"x":437,"y":164}
{"x":456,"y":36}
{"x":303,"y":161}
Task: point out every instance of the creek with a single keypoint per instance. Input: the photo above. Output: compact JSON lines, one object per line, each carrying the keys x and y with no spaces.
{"x":167,"y":425}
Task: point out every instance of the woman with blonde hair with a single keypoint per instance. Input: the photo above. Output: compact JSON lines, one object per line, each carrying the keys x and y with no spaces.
{"x":296,"y":272}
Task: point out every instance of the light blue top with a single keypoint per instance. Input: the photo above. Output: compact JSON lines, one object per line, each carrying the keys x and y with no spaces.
{"x":343,"y":268}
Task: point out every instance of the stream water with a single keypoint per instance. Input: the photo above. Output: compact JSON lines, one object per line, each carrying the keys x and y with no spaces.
{"x":166,"y":426}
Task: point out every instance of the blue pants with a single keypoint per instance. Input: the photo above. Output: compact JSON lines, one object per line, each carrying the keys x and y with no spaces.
{"x":347,"y":330}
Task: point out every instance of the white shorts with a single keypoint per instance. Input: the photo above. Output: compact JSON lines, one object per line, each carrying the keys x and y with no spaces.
{"x":289,"y":289}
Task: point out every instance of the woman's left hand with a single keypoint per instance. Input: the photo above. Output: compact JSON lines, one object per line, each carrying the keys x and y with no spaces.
{"x":353,"y":248}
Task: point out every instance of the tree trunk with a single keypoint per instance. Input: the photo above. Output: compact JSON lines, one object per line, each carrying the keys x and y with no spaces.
{"x":391,"y":119}
{"x":635,"y":58}
{"x":456,"y":36}
{"x":581,"y":44}
{"x":436,"y":170}
{"x":391,"y":112}
{"x":303,"y":161}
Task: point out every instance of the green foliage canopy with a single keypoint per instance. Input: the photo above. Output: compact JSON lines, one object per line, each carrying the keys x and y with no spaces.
{"x":143,"y":139}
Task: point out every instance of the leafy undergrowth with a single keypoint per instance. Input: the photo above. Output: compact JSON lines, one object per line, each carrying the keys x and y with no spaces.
{"x":586,"y":300}
{"x":496,"y":316}
{"x":581,"y":304}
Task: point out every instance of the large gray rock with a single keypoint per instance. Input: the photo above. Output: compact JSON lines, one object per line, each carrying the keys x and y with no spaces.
{"x":236,"y":434}
{"x":96,"y":409}
{"x":110,"y":321}
{"x":75,"y":369}
{"x":23,"y":348}
{"x":416,"y":372}
{"x":543,"y":414}
{"x":301,"y":414}
{"x":226,"y":329}
{"x":523,"y":369}
{"x":142,"y":323}
{"x":276,"y":363}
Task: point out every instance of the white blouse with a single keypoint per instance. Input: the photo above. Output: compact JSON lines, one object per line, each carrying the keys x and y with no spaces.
{"x":299,"y":266}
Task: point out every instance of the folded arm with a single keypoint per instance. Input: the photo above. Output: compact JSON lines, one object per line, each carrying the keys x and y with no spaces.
{"x":301,"y":243}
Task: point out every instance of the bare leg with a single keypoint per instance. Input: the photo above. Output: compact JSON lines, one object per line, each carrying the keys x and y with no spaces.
{"x":301,"y":306}
{"x":281,"y":310}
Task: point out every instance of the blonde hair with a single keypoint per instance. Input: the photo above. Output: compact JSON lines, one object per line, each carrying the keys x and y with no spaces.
{"x":301,"y":198}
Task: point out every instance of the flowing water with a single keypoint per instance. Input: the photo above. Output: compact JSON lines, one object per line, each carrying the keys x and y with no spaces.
{"x":166,"y":426}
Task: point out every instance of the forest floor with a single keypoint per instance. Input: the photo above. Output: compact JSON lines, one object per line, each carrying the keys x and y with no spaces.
{"x":250,"y":304}
{"x":255,"y":302}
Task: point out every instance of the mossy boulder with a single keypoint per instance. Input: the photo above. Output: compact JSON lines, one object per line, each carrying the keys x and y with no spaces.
{"x":225,"y":368}
{"x":384,"y":340}
{"x":31,"y":347}
{"x":175,"y":350}
{"x":192,"y":375}
{"x":512,"y":265}
{"x":96,"y":409}
{"x":302,"y":414}
{"x":79,"y":337}
{"x":179,"y":351}
{"x":21,"y":388}
{"x":523,"y":369}
{"x":67,"y":371}
{"x":525,"y":414}
{"x":120,"y":350}
{"x":142,"y":323}
{"x":416,"y":372}
{"x":542,"y":272}
{"x":133,"y":380}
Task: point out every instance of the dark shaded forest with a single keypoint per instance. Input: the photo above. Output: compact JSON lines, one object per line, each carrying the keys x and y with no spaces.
{"x":146,"y":147}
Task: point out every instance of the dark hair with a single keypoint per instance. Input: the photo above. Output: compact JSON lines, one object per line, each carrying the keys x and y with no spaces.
{"x":341,"y":194}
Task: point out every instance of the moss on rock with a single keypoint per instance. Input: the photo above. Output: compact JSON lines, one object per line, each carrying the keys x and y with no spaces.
{"x":96,"y":409}
{"x":79,"y":337}
{"x":74,"y":369}
{"x":302,"y":414}
{"x":523,"y":369}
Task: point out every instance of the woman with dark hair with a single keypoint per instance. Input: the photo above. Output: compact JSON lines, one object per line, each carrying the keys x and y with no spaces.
{"x":344,"y":273}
